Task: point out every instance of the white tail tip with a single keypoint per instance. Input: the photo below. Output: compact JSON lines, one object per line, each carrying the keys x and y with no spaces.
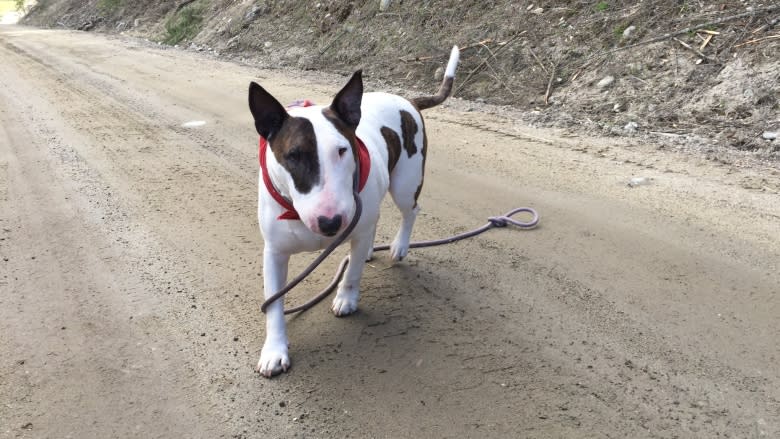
{"x":452,"y":64}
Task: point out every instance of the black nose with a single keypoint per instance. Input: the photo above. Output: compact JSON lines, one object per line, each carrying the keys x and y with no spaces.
{"x":329,"y":226}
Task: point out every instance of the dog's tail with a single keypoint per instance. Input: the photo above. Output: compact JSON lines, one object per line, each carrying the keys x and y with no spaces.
{"x":445,"y":89}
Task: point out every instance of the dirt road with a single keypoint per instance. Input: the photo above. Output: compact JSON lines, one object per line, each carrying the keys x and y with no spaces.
{"x":131,"y":273}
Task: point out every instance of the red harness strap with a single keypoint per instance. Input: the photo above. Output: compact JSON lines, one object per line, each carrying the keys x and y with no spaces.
{"x":364,"y":167}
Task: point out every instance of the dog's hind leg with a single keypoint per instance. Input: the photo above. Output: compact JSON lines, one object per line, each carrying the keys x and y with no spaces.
{"x":405,"y":185}
{"x":370,"y":253}
{"x":400,"y":246}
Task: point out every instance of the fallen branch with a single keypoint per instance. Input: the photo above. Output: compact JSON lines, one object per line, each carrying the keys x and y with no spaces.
{"x":470,"y":46}
{"x":538,"y":60}
{"x":183,"y":4}
{"x":496,"y":74}
{"x":419,"y":58}
{"x":767,"y":26}
{"x":484,"y":62}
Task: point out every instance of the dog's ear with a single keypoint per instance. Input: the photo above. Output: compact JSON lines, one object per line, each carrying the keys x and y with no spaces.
{"x":269,"y":114}
{"x":346,"y":104}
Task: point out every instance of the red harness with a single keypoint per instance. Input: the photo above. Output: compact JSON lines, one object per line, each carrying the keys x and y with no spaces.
{"x":364,"y":167}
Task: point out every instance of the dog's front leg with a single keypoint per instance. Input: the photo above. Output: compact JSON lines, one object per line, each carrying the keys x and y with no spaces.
{"x":274,"y":358}
{"x":346,"y":300}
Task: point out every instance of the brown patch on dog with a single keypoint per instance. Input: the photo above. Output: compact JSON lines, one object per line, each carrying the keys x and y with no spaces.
{"x":295,"y":148}
{"x":424,"y":153}
{"x":393,"y":147}
{"x":408,"y":131}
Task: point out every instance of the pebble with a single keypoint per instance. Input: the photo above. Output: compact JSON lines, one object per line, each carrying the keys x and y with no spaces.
{"x":631,"y":127}
{"x":438,"y":75}
{"x":639,"y":181}
{"x":606,"y":81}
{"x":769,"y":135}
{"x":384,"y":4}
{"x":628,"y":31}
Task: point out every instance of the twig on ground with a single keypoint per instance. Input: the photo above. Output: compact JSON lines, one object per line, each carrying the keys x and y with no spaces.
{"x":538,"y":60}
{"x":336,"y":38}
{"x":757,"y":40}
{"x":707,"y":40}
{"x":479,"y":43}
{"x":696,"y":51}
{"x":707,"y":31}
{"x":549,"y":84}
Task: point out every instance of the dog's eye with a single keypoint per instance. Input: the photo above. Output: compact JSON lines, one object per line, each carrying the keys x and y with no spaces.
{"x":293,"y":156}
{"x":342,"y":151}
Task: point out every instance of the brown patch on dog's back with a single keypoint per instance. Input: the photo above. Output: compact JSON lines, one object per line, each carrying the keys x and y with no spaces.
{"x":424,"y":153}
{"x":295,"y":148}
{"x":393,"y":147}
{"x":408,"y":131}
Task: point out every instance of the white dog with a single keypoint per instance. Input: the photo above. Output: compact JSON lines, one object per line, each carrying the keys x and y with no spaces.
{"x":308,"y":164}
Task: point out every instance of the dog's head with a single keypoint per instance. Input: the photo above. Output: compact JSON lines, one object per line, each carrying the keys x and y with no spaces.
{"x":317,"y":151}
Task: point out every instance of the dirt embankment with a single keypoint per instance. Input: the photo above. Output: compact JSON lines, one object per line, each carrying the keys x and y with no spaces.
{"x":698,"y":75}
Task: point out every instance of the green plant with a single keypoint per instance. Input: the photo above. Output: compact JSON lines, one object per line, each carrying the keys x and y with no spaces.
{"x":19,"y":5}
{"x":601,"y":6}
{"x":108,"y":5}
{"x":183,"y":25}
{"x":618,"y":30}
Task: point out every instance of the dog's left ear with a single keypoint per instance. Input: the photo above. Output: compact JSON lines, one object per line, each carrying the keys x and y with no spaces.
{"x":346,"y":104}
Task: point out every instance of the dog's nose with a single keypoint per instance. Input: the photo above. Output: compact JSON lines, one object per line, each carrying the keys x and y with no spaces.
{"x":329,"y":226}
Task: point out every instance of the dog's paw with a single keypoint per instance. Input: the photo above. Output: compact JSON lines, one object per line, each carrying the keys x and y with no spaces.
{"x":345,"y":303}
{"x":273,"y":359}
{"x":398,"y":249}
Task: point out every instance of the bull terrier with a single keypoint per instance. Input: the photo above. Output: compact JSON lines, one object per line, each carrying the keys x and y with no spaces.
{"x":310,"y":156}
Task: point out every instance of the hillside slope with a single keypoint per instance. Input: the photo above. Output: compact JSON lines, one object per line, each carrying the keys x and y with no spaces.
{"x":689,"y":75}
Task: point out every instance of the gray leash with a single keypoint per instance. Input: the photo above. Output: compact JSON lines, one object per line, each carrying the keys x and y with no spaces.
{"x":494,"y":221}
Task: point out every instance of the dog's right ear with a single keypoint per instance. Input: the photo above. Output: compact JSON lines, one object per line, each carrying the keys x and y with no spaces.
{"x":269,"y":114}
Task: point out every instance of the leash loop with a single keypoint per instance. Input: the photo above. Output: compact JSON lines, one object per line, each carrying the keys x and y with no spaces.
{"x":506,"y":219}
